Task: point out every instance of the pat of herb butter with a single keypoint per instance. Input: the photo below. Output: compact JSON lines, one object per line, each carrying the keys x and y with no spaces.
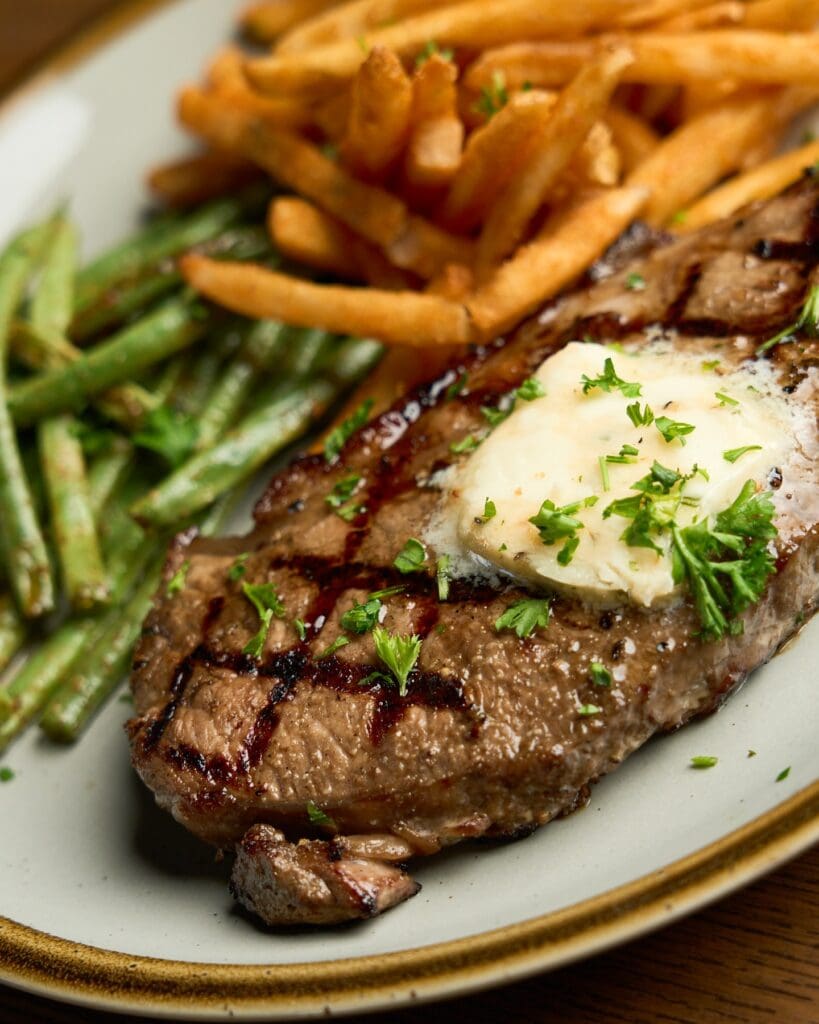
{"x":551,"y":450}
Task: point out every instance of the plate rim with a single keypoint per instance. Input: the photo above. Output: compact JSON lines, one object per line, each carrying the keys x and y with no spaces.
{"x":73,"y":972}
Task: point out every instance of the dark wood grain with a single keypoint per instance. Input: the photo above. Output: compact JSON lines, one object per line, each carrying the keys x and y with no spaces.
{"x":751,"y":959}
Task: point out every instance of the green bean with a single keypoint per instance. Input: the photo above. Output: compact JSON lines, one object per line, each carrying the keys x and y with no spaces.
{"x":72,"y":518}
{"x":82,"y":693}
{"x":257,"y":356}
{"x":126,"y":404}
{"x":126,"y":299}
{"x":12,"y":630}
{"x":158,"y":242}
{"x":285,"y":414}
{"x":172,"y":327}
{"x":52,"y":303}
{"x":108,"y":472}
{"x":23,"y":547}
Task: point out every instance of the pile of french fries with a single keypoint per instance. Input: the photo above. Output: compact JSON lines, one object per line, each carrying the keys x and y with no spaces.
{"x":445,"y":168}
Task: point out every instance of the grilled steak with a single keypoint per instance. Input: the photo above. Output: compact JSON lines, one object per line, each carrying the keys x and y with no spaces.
{"x":487,"y":740}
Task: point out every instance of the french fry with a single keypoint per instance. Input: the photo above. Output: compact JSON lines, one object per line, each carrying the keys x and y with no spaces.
{"x":634,"y":138}
{"x":697,"y":97}
{"x":349,"y":21}
{"x":331,"y":115}
{"x":597,"y":162}
{"x":493,"y":156}
{"x":397,"y":318}
{"x":377,"y":270}
{"x":454,"y":282}
{"x":700,"y":153}
{"x":762,"y":182}
{"x":652,"y":11}
{"x":425,"y":249}
{"x":370,"y":211}
{"x":436,"y":140}
{"x":577,"y":108}
{"x":226,"y":76}
{"x":788,"y":15}
{"x":305,"y":234}
{"x":378,"y":123}
{"x":549,"y":263}
{"x":662,"y":59}
{"x":267,"y":20}
{"x":473,"y":24}
{"x":715,"y":15}
{"x":199,"y":178}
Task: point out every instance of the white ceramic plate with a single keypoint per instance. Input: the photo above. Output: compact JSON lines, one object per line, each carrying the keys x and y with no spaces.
{"x":106,"y":901}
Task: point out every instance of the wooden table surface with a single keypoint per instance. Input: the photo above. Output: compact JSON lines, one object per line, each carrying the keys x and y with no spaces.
{"x":751,"y":959}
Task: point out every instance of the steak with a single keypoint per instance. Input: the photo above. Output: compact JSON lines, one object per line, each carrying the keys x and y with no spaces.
{"x":324,"y":778}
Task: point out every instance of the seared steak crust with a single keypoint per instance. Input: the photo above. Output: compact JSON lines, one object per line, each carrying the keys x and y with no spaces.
{"x":488,"y":739}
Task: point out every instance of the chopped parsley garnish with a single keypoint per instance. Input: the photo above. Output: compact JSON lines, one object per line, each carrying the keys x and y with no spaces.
{"x":411,"y":557}
{"x":6,"y":774}
{"x":783,"y":774}
{"x":635,"y":282}
{"x":177,"y":581}
{"x":680,"y":217}
{"x":609,"y":381}
{"x":466,"y":444}
{"x":638,"y":418}
{"x":724,"y":399}
{"x":736,"y":453}
{"x":710,"y":364}
{"x":554,"y":524}
{"x":493,"y":97}
{"x":494,"y":417}
{"x":727,"y":566}
{"x":704,"y":761}
{"x":170,"y":434}
{"x":589,"y":709}
{"x":807,"y":323}
{"x":530,"y":389}
{"x":317,"y":816}
{"x":265,"y":599}
{"x":524,"y":617}
{"x":363,"y":617}
{"x":600,"y":675}
{"x":673,"y":429}
{"x":442,"y":577}
{"x":338,"y":437}
{"x":300,"y":628}
{"x":399,"y":654}
{"x":627,"y":456}
{"x":751,"y":753}
{"x":604,"y":472}
{"x":489,"y":511}
{"x":340,"y":641}
{"x":339,"y":498}
{"x":431,"y":49}
{"x":456,"y":387}
{"x":239,"y":567}
{"x":652,"y":509}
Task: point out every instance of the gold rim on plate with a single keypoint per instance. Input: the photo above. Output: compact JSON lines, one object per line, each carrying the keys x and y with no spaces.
{"x":55,"y":967}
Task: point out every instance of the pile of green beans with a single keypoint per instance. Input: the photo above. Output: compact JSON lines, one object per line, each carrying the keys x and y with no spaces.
{"x":129,"y":410}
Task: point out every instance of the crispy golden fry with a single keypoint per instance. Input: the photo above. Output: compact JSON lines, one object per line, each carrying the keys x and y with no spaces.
{"x":652,"y":11}
{"x":304,"y":233}
{"x":436,"y":141}
{"x":787,"y":15}
{"x":454,"y":282}
{"x":377,"y":270}
{"x":715,"y":15}
{"x":331,"y":115}
{"x":199,"y":178}
{"x":378,"y":124}
{"x":226,"y":76}
{"x":634,"y":138}
{"x":597,"y":162}
{"x":473,"y":24}
{"x":667,"y":59}
{"x":700,"y":153}
{"x":397,"y":318}
{"x":425,"y":249}
{"x":493,"y":155}
{"x":697,"y":97}
{"x":370,"y":211}
{"x":760,"y":183}
{"x":553,"y":260}
{"x":351,"y":20}
{"x":578,"y":107}
{"x":264,"y":21}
